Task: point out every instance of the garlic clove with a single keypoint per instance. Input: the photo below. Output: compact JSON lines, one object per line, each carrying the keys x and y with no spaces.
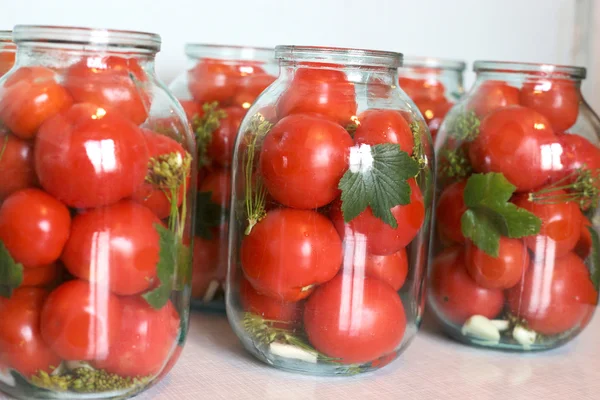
{"x":525,"y":337}
{"x":289,"y":351}
{"x":480,"y":327}
{"x":501,"y":324}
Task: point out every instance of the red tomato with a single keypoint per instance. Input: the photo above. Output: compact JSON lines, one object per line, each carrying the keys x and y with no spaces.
{"x":222,"y":143}
{"x":584,"y":245}
{"x":302,"y":160}
{"x":30,"y":97}
{"x":321,"y":91}
{"x":577,"y":153}
{"x":7,"y":57}
{"x":146,"y":339}
{"x":510,"y":139}
{"x":554,"y":297}
{"x":391,"y":269}
{"x":289,"y":252}
{"x":81,"y":321}
{"x":21,"y":343}
{"x":156,"y":198}
{"x":16,"y":165}
{"x":384,"y":126}
{"x":434,"y":113}
{"x":112,"y":83}
{"x":556,"y":99}
{"x":218,"y":182}
{"x":191,"y":109}
{"x":205,"y":263}
{"x":420,"y":89}
{"x":492,"y":95}
{"x":455,"y":295}
{"x":501,"y":272}
{"x":250,"y":87}
{"x":116,"y":246}
{"x":354,"y":318}
{"x":561,"y":225}
{"x":450,"y":209}
{"x":382,"y":239}
{"x":285,"y":312}
{"x":89,"y":158}
{"x":40,"y":277}
{"x":34,"y":227}
{"x":213,"y":80}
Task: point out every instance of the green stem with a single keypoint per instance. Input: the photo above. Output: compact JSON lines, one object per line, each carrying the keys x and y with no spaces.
{"x":4,"y":146}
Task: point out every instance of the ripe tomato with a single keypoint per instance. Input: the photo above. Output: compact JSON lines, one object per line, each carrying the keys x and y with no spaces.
{"x":146,"y":339}
{"x":286,"y":313}
{"x":213,"y":80}
{"x":455,"y":295}
{"x":16,"y":165}
{"x":354,"y":318}
{"x":34,"y":227}
{"x":81,"y":321}
{"x":218,"y":183}
{"x":554,"y":297}
{"x":450,"y":208}
{"x":511,"y":138}
{"x":561,"y":225}
{"x":302,"y":160}
{"x":384,"y":126}
{"x":502,"y":272}
{"x":434,"y":113}
{"x":382,"y":239}
{"x":113,"y":83}
{"x":420,"y":89}
{"x":289,"y":252}
{"x":391,"y":269}
{"x":21,"y":343}
{"x":87,"y":157}
{"x":7,"y":57}
{"x":191,"y":109}
{"x":116,"y":246}
{"x":577,"y":153}
{"x":206,"y":262}
{"x":321,"y":91}
{"x":491,"y":96}
{"x":250,"y":87}
{"x":40,"y":277}
{"x":584,"y":244}
{"x":556,"y":99}
{"x":222,"y":143}
{"x":157,"y":198}
{"x":30,"y":97}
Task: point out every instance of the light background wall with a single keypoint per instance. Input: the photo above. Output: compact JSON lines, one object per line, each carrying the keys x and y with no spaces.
{"x":516,"y":30}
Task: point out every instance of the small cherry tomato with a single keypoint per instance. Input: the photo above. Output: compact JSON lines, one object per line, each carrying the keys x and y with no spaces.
{"x":381,"y":238}
{"x":146,"y":339}
{"x":250,"y":87}
{"x":285,"y":313}
{"x":289,"y":252}
{"x":16,"y":165}
{"x":81,"y":321}
{"x":502,"y":272}
{"x":29,"y":98}
{"x":354,"y":318}
{"x":40,"y":277}
{"x":191,"y":109}
{"x":325,"y":92}
{"x":391,"y":269}
{"x":455,"y":295}
{"x":87,"y":157}
{"x":491,"y":96}
{"x":220,"y":148}
{"x":450,"y":209}
{"x":218,"y":183}
{"x":556,"y":99}
{"x":116,"y":246}
{"x":554,"y":297}
{"x":112,"y":83}
{"x":583,"y":247}
{"x":21,"y":343}
{"x":561,"y":223}
{"x":384,"y":126}
{"x":577,"y":153}
{"x":302,"y":160}
{"x":510,"y":139}
{"x":213,"y":80}
{"x":34,"y":227}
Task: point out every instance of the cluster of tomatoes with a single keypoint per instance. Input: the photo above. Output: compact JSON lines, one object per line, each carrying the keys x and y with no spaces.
{"x":540,"y":279}
{"x":233,"y":85}
{"x":79,"y":219}
{"x":304,"y":267}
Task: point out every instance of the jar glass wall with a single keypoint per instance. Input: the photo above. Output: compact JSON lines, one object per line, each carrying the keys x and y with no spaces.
{"x":7,"y":52}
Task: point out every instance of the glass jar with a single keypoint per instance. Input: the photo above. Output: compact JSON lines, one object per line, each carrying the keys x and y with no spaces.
{"x":434,"y":85}
{"x":7,"y":52}
{"x":516,"y":237}
{"x":331,"y":199}
{"x":215,"y":91}
{"x":95,"y":222}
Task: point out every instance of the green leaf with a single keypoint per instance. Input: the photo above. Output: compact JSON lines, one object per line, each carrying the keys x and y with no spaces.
{"x":208,"y":215}
{"x":482,"y":230}
{"x":377,"y":178}
{"x":168,"y":262}
{"x":11,"y":273}
{"x":594,"y":262}
{"x":488,"y":189}
{"x":185,"y":263}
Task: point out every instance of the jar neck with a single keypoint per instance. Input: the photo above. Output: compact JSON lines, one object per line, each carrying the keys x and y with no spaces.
{"x":354,"y":74}
{"x":229,"y":54}
{"x":519,"y":73}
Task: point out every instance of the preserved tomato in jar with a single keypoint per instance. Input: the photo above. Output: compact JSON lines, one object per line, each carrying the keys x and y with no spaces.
{"x":7,"y":52}
{"x":331,"y":208}
{"x":434,"y":85}
{"x":516,"y":258}
{"x":216,"y":91}
{"x":96,"y":198}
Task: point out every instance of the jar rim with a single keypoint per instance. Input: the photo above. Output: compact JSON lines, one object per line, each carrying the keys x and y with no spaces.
{"x":5,"y":36}
{"x":566,"y":71}
{"x":434,"y":63}
{"x":228,"y":52}
{"x":345,"y":56}
{"x":86,"y":36}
